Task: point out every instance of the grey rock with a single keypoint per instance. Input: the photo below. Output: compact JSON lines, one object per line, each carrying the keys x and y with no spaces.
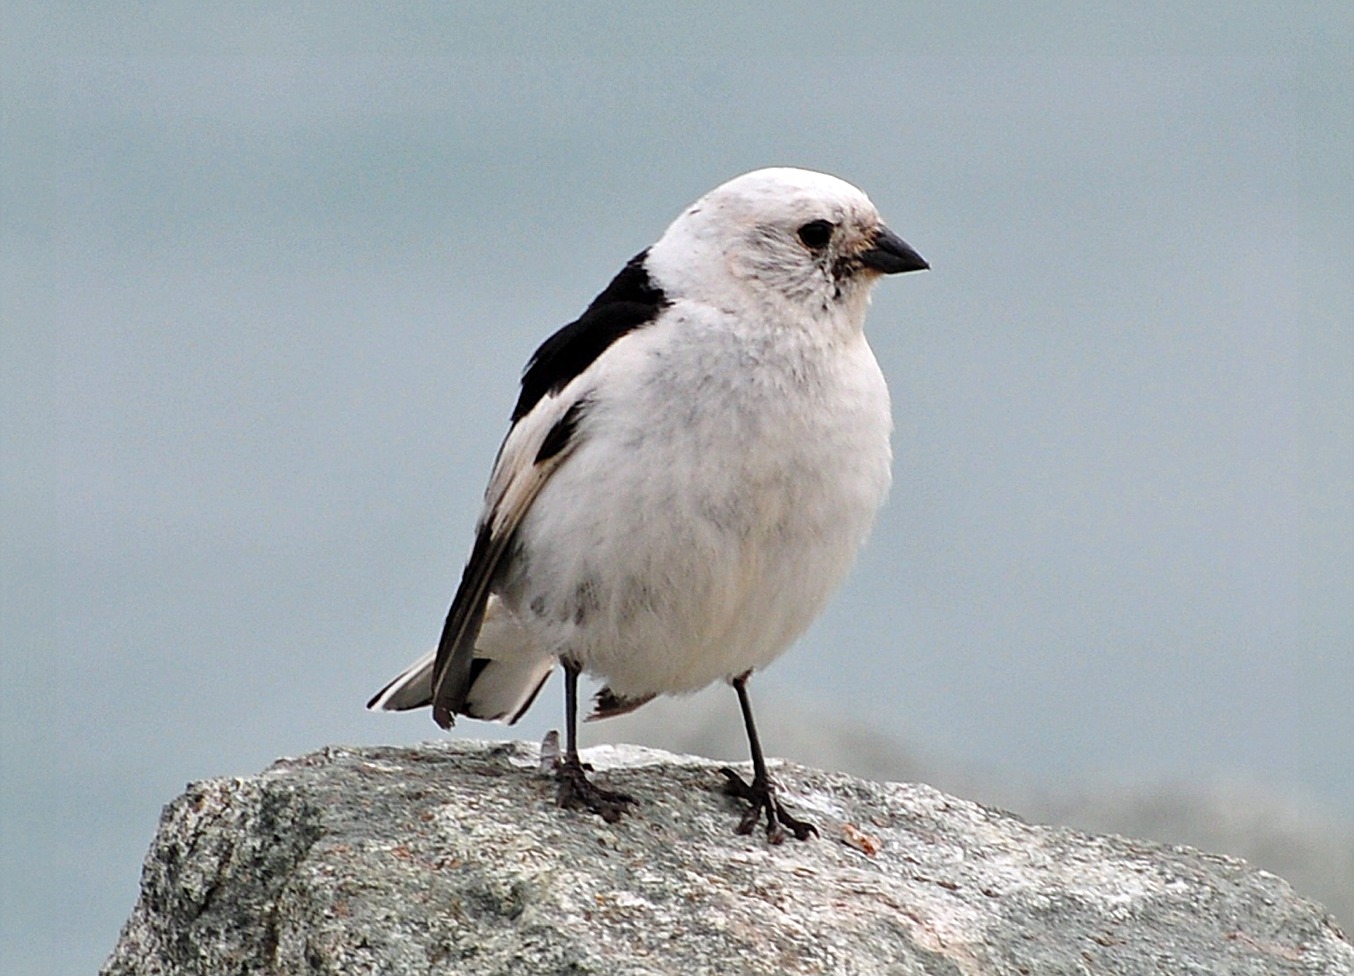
{"x":1271,"y":825}
{"x":452,"y":857}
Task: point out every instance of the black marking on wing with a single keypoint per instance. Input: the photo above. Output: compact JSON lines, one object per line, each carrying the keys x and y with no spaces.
{"x":562,"y":433}
{"x":453,"y":668}
{"x":631,"y":301}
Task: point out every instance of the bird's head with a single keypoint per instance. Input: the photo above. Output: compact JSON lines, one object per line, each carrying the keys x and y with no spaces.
{"x":794,"y":241}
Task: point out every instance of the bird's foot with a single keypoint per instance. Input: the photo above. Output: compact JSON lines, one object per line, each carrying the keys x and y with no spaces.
{"x":761,"y":795}
{"x":576,"y":791}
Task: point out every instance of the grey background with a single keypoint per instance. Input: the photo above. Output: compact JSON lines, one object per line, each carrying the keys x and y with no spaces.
{"x":270,"y":271}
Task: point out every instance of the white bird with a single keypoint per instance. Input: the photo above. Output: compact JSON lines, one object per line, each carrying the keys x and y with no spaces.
{"x":691,"y":468}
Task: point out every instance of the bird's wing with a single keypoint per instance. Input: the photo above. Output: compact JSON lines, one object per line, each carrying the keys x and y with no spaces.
{"x":536,"y":445}
{"x":556,"y":386}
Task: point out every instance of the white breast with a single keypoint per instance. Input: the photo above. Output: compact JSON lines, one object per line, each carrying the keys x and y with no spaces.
{"x":718,"y":495}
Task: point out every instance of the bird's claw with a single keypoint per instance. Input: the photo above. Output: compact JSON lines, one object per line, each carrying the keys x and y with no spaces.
{"x":761,"y":796}
{"x":577,"y":792}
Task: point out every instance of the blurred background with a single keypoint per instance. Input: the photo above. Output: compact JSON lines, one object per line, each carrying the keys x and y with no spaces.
{"x":270,"y":271}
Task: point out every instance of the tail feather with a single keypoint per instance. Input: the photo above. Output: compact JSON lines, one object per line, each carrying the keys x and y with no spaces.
{"x":503,"y":691}
{"x":506,"y":673}
{"x":411,"y":689}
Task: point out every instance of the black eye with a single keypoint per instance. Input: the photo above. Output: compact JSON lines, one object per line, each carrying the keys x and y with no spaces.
{"x":816,"y":234}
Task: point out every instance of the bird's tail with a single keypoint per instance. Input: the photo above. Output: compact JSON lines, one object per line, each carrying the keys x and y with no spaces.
{"x":506,"y":673}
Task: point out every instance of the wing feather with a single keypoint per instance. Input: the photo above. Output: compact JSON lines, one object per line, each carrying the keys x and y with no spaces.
{"x":553,"y":400}
{"x":535,"y":447}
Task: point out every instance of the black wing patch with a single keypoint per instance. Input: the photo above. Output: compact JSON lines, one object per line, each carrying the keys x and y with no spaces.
{"x":631,"y":301}
{"x":559,"y":436}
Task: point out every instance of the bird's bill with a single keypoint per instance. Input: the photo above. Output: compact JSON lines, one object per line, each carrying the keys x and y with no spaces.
{"x":891,"y":255}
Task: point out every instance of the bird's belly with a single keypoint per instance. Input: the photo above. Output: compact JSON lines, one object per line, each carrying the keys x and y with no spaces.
{"x":674,"y":601}
{"x":662,"y":563}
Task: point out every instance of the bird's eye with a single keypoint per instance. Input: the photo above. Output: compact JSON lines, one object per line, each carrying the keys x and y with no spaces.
{"x":816,"y":234}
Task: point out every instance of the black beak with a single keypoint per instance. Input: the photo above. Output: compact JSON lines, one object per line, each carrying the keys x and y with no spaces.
{"x":891,"y":255}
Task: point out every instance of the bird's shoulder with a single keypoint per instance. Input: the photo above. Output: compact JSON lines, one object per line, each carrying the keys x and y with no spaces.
{"x":631,"y":301}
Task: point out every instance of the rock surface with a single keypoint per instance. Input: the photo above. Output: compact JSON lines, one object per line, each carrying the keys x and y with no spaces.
{"x":452,"y":857}
{"x":1266,"y":822}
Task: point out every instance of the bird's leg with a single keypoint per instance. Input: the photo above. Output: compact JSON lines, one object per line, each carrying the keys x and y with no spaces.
{"x":761,"y":794}
{"x":575,"y":789}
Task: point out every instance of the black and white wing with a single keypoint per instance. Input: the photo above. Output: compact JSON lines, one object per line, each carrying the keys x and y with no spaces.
{"x":545,"y":431}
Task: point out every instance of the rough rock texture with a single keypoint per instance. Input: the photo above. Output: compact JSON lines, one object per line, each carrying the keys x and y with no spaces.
{"x":452,"y":857}
{"x":1270,"y":824}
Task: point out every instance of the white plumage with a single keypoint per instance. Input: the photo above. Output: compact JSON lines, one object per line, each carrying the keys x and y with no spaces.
{"x":692,"y":467}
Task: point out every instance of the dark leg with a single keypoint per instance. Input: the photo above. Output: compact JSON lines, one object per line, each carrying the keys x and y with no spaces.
{"x":761,"y":793}
{"x":575,"y":789}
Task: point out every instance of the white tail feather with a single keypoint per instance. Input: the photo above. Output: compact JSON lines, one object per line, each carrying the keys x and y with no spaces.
{"x":410,"y":689}
{"x":508,"y":672}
